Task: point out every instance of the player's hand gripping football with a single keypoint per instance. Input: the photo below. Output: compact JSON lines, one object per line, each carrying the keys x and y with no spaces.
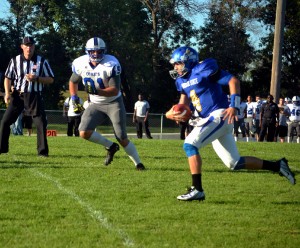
{"x":78,"y":108}
{"x":179,"y":113}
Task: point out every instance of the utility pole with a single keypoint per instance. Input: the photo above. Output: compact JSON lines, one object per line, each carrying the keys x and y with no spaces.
{"x":277,"y":50}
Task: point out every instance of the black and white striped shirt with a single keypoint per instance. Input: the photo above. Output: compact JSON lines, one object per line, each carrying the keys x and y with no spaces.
{"x":18,"y":67}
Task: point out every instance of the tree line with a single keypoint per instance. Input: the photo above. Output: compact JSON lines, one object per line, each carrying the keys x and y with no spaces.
{"x":143,"y":33}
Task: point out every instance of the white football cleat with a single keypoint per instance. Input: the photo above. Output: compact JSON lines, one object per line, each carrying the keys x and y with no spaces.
{"x":192,"y":195}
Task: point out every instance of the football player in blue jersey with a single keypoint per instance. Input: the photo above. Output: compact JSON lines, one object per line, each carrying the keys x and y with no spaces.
{"x":100,"y":74}
{"x":201,"y":83}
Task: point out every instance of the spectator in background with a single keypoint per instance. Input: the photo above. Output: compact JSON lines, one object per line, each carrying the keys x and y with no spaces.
{"x":28,"y":73}
{"x":87,"y":102}
{"x":240,"y":123}
{"x":73,"y":118}
{"x":294,"y":119}
{"x":140,"y":117}
{"x":256,"y":124}
{"x":17,"y":126}
{"x":282,"y":128}
{"x":269,"y":119}
{"x":250,"y":111}
{"x":27,"y":123}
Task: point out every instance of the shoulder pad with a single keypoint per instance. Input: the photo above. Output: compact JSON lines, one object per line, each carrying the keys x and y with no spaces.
{"x":207,"y":67}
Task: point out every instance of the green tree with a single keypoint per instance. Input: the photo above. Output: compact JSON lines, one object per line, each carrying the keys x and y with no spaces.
{"x":290,"y":81}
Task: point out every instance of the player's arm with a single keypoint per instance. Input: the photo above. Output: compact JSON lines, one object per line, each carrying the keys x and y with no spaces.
{"x":113,"y":87}
{"x":73,"y":88}
{"x":234,"y":89}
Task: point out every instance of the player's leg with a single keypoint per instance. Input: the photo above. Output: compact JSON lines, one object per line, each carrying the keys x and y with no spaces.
{"x":93,"y":116}
{"x":117,"y":114}
{"x":298,"y":131}
{"x":210,"y":129}
{"x":226,"y":149}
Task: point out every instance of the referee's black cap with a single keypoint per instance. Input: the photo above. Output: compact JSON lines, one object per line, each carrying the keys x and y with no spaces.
{"x":28,"y":40}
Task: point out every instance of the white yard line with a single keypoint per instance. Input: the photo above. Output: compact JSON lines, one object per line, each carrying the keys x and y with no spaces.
{"x":96,"y":214}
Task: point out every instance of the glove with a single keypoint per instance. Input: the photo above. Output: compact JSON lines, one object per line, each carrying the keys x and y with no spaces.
{"x":90,"y":89}
{"x":78,"y":108}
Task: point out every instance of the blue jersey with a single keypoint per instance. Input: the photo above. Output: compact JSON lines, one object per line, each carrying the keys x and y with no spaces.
{"x":204,"y":87}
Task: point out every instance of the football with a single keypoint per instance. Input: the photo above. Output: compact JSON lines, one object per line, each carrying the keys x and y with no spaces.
{"x":182,"y":111}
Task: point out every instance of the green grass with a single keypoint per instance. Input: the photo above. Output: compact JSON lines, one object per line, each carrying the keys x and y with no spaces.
{"x":71,"y":200}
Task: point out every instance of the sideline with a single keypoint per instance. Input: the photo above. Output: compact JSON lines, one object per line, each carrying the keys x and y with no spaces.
{"x":96,"y":214}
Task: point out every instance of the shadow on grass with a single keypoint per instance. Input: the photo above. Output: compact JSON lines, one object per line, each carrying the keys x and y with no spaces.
{"x":287,"y":203}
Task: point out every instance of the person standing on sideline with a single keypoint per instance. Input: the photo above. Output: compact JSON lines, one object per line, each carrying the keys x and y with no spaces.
{"x":201,"y":83}
{"x":257,"y":107}
{"x":239,"y":123}
{"x":282,"y":128}
{"x":28,"y":73}
{"x":17,"y":126}
{"x":140,"y":117}
{"x":100,"y":74}
{"x":27,"y":123}
{"x":73,"y":118}
{"x":249,"y":117}
{"x":269,"y":119}
{"x":87,"y":103}
{"x":294,"y":119}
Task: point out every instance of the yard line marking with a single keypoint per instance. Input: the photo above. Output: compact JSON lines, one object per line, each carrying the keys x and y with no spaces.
{"x":97,"y":214}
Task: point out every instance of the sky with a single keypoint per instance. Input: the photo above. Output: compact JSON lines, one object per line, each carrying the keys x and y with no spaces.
{"x":198,"y":20}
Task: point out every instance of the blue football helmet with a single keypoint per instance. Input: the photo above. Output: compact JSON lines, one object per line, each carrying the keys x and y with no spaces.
{"x":185,"y":55}
{"x":95,"y":44}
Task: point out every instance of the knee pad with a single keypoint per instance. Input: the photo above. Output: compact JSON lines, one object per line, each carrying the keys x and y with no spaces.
{"x":239,"y":164}
{"x":190,"y":150}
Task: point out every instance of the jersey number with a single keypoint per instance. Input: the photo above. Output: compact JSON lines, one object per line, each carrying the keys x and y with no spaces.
{"x":90,"y":81}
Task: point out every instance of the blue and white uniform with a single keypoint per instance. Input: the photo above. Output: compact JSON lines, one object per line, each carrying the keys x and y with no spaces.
{"x":102,"y":106}
{"x":203,"y":85}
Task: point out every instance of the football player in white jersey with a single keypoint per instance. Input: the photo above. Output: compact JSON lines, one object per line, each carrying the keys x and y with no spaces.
{"x":201,"y":83}
{"x":100,"y":74}
{"x":257,"y":107}
{"x":249,"y":117}
{"x":294,"y":119}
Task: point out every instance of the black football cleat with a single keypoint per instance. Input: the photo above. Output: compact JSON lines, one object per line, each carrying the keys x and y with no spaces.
{"x":110,"y":153}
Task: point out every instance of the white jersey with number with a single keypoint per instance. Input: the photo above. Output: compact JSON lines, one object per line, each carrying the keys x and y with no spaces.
{"x":257,"y":107}
{"x":97,"y":76}
{"x":295,"y":112}
{"x":250,"y":109}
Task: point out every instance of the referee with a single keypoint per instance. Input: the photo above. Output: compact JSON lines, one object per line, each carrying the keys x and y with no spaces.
{"x":24,"y":81}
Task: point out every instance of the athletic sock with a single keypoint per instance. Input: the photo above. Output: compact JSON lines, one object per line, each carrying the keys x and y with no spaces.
{"x":99,"y":139}
{"x":132,"y":153}
{"x":271,"y":166}
{"x":197,"y":182}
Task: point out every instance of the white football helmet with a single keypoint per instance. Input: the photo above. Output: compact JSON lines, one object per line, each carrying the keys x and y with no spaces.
{"x":296,"y":100}
{"x":287,"y":100}
{"x":95,"y":44}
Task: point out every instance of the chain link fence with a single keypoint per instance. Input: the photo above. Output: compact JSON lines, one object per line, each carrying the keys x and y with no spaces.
{"x":160,"y":127}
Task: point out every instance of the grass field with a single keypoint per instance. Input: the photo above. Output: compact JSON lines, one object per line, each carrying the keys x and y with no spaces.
{"x":70,"y":199}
